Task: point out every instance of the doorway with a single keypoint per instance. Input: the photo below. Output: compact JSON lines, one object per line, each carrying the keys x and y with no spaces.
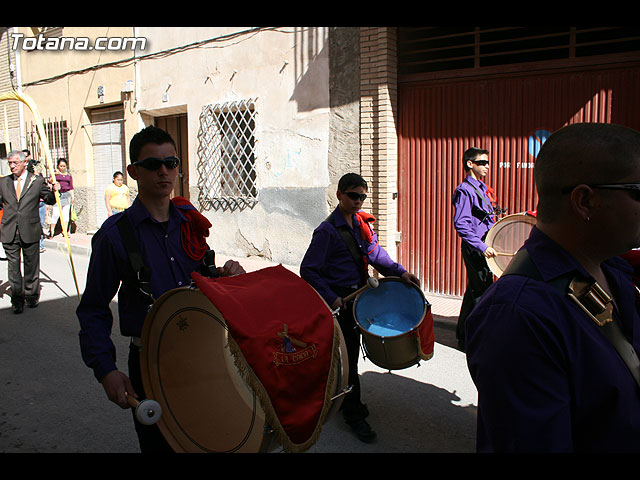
{"x":176,"y":126}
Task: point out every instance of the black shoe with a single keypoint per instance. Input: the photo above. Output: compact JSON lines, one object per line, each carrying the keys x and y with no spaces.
{"x":362,"y":429}
{"x":32,"y":302}
{"x":17,"y":307}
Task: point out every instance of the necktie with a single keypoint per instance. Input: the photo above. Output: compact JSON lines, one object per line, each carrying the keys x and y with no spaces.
{"x":18,"y":189}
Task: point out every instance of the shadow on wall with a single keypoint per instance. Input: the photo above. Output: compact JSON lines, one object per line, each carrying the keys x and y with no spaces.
{"x":331,"y":57}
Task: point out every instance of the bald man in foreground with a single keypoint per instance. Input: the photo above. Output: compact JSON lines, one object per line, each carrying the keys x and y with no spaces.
{"x":541,"y":344}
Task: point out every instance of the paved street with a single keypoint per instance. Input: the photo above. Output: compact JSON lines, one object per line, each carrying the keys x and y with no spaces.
{"x":50,"y":401}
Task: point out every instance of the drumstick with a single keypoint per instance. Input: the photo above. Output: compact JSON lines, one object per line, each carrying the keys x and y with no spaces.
{"x":372,"y":282}
{"x":343,"y":392}
{"x":147,"y":411}
{"x":506,"y":254}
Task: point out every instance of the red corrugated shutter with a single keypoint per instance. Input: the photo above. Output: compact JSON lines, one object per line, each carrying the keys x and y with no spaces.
{"x":510,"y":117}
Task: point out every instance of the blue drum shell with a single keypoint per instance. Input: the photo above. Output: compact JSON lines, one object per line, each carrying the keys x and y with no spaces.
{"x":391,"y":309}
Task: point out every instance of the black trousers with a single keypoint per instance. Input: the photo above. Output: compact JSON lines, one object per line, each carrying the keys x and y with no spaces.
{"x":19,"y":252}
{"x":479,"y":278}
{"x":149,"y":436}
{"x":352,"y":407}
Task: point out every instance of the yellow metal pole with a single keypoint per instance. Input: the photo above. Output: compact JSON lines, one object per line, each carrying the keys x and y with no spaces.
{"x":7,"y":142}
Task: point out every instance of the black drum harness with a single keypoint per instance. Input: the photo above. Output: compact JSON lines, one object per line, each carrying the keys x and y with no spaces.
{"x":143,"y":272}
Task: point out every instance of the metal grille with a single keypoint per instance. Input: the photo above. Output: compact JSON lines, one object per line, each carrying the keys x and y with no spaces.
{"x":58,"y":137}
{"x":226,"y":152}
{"x":433,"y":49}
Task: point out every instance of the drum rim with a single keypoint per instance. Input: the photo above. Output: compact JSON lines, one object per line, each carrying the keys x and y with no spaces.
{"x":521,"y":217}
{"x":174,"y":440}
{"x":427,"y":306}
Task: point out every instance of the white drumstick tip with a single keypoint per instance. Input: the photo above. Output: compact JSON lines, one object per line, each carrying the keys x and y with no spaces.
{"x":148,"y":412}
{"x":373,"y":282}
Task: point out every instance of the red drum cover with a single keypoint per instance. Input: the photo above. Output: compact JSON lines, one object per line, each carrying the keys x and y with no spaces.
{"x":287,"y":343}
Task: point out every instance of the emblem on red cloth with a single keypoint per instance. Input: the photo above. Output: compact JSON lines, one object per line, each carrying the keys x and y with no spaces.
{"x":292,"y":351}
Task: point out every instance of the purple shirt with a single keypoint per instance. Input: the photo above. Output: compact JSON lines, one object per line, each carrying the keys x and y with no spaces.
{"x":161,"y":247}
{"x":548,"y":380}
{"x":329,"y":263}
{"x":470,"y":228}
{"x":65,"y":181}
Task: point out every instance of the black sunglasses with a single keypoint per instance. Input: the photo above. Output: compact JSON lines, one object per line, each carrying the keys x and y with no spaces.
{"x":480,"y":162}
{"x":356,"y":196}
{"x":153,"y":163}
{"x":632,"y":188}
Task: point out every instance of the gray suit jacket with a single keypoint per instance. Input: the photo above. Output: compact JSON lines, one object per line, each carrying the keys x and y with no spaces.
{"x":23,"y":215}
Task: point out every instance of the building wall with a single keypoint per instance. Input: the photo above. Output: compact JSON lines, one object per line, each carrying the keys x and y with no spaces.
{"x":9,"y":110}
{"x":344,"y":98}
{"x":305,"y":83}
{"x":287,"y":72}
{"x":64,"y":84}
{"x":378,"y":135}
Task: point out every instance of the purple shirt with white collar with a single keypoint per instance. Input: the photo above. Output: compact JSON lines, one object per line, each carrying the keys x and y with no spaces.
{"x":548,"y":380}
{"x":161,"y":247}
{"x":470,"y":228}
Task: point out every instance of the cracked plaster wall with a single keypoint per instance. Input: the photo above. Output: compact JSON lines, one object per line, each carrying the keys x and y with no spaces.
{"x":301,"y":167}
{"x":306,"y":86}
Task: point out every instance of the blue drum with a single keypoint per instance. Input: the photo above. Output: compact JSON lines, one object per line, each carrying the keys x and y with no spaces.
{"x":389,"y":318}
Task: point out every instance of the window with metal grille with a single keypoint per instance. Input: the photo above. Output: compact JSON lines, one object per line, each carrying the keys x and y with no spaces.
{"x":226,"y":152}
{"x":57,"y":134}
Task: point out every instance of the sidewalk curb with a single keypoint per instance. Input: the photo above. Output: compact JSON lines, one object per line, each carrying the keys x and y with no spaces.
{"x":62,"y":247}
{"x":445,"y":309}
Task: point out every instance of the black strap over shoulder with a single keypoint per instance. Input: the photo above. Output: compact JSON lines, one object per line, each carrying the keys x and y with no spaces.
{"x":208,"y":266}
{"x":356,"y":253}
{"x":142,"y":271}
{"x":523,"y":265}
{"x":478,"y":212}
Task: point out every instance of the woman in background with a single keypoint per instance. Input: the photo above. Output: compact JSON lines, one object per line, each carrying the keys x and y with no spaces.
{"x":116,"y":196}
{"x":65,"y":180}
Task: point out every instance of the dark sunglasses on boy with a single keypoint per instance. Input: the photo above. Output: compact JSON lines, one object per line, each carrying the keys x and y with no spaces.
{"x":356,"y":196}
{"x":480,"y":162}
{"x":153,"y":163}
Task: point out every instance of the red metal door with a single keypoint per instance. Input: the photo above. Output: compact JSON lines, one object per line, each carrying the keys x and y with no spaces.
{"x":509,"y":116}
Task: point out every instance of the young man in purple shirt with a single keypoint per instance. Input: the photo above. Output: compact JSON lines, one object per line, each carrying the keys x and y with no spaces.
{"x":473,"y":217}
{"x":330,"y":267}
{"x":542,"y":342}
{"x":156,"y":223}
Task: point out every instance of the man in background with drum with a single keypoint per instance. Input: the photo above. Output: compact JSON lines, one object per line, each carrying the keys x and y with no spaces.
{"x":553,"y":346}
{"x":473,"y":217}
{"x":156,"y":226}
{"x":336,"y":265}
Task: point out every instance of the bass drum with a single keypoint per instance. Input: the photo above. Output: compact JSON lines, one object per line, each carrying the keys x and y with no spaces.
{"x":188,"y":369}
{"x":506,"y":237}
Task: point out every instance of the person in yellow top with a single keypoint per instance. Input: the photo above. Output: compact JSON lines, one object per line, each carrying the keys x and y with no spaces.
{"x":116,"y":196}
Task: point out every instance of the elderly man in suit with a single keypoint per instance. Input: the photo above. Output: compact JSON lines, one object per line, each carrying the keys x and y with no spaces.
{"x":20,"y":230}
